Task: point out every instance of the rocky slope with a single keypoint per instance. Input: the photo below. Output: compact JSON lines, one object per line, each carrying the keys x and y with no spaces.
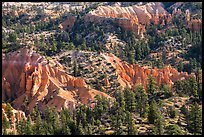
{"x":131,"y":74}
{"x":106,"y":72}
{"x":131,"y":17}
{"x":28,"y":79}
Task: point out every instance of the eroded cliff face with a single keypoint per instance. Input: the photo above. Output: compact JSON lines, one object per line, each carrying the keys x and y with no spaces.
{"x":133,"y":18}
{"x":130,"y":75}
{"x":29,"y":80}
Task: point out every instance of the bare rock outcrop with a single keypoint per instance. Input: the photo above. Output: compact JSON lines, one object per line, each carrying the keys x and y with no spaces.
{"x":28,"y":76}
{"x":131,"y":74}
{"x":131,"y":18}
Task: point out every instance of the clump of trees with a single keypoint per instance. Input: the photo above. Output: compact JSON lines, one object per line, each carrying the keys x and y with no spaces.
{"x":187,"y":87}
{"x":119,"y":114}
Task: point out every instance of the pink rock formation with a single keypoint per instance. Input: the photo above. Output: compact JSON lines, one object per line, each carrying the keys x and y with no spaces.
{"x":131,"y":18}
{"x":26,"y":74}
{"x":130,"y":75}
{"x":17,"y":115}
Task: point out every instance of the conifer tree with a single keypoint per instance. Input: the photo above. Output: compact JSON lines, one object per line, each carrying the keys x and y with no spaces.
{"x":152,"y":87}
{"x":142,"y":100}
{"x":153,"y":112}
{"x":38,"y":128}
{"x":9,"y":112}
{"x":195,"y":119}
{"x":132,"y":129}
{"x":159,"y":123}
{"x":199,"y":82}
{"x":194,"y":86}
{"x":130,"y":100}
{"x":28,"y":127}
{"x":120,"y":99}
{"x":174,"y":130}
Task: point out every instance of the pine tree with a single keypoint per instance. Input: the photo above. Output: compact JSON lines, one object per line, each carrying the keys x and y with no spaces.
{"x":132,"y":56}
{"x":57,"y":126}
{"x":130,"y":100}
{"x":89,"y":115}
{"x":199,"y":82}
{"x":51,"y":120}
{"x":106,"y":104}
{"x":9,"y":112}
{"x":117,"y":118}
{"x":118,"y":124}
{"x":180,"y":66}
{"x":194,"y":86}
{"x":35,"y":113}
{"x":132,"y":129}
{"x":152,"y":87}
{"x":195,"y":119}
{"x":174,"y":130}
{"x":153,"y":112}
{"x":76,"y":70}
{"x":83,"y":45}
{"x":142,"y":100}
{"x":98,"y":109}
{"x":154,"y":131}
{"x":65,"y":130}
{"x":159,"y":123}
{"x":179,"y":87}
{"x":38,"y":128}
{"x":28,"y":127}
{"x":184,"y":110}
{"x":120,"y":99}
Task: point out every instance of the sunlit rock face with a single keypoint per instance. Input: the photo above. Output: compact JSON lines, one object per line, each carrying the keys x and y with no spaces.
{"x":130,"y":75}
{"x":29,"y":80}
{"x":28,"y":76}
{"x":131,"y":17}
